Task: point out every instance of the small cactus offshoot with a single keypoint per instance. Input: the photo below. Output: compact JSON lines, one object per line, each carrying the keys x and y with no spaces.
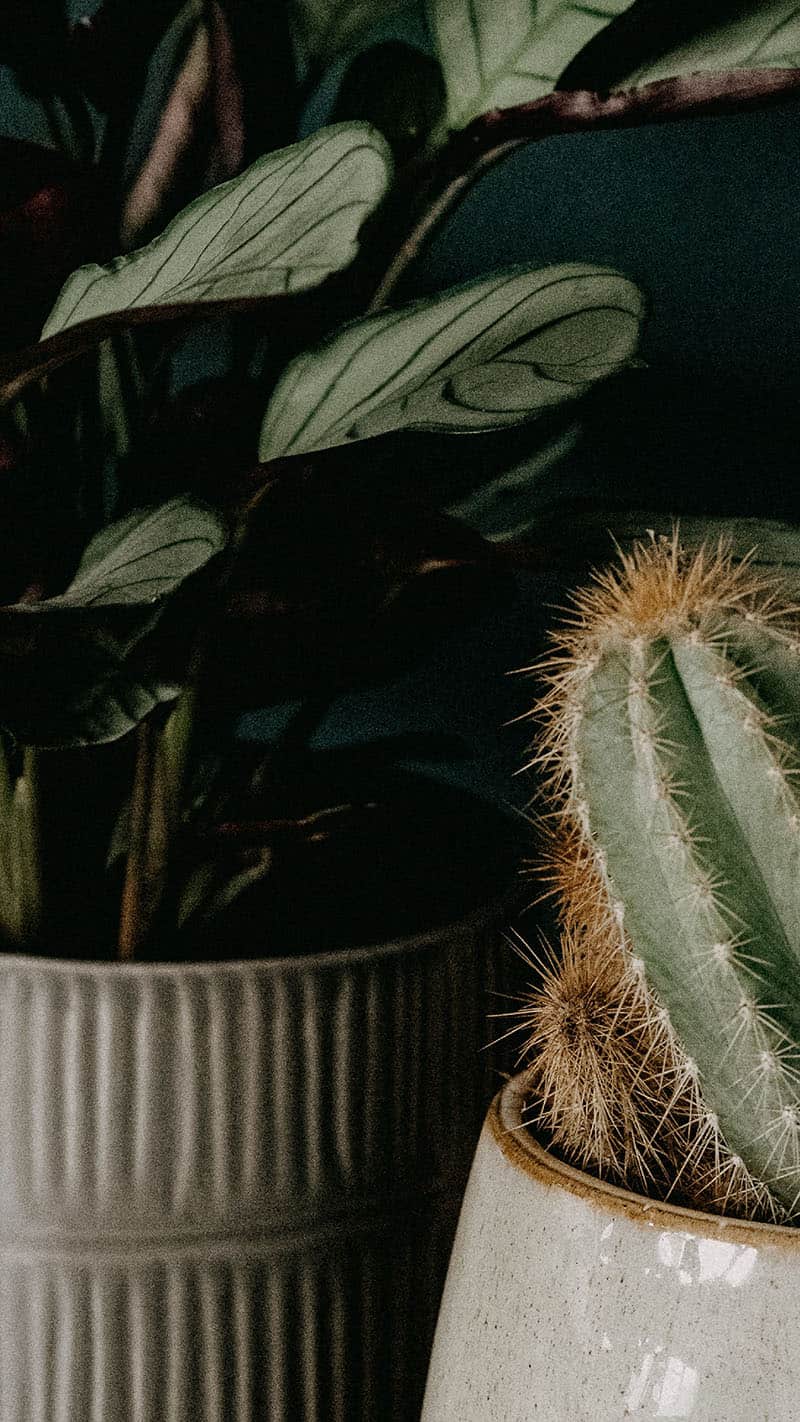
{"x":670,"y":741}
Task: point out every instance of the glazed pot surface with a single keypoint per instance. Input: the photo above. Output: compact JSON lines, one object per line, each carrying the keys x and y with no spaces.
{"x":573,"y":1301}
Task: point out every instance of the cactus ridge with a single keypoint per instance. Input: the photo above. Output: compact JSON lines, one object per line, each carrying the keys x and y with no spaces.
{"x":670,"y":729}
{"x":606,"y":1079}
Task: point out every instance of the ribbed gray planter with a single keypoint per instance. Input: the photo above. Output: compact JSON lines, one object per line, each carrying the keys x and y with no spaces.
{"x":228,"y":1191}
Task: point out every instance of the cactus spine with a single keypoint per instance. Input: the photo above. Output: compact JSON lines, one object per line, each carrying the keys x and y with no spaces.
{"x":672,"y":727}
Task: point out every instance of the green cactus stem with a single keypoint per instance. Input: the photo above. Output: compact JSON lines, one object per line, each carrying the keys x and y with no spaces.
{"x":671,"y":741}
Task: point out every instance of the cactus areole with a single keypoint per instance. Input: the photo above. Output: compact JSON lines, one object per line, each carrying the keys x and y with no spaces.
{"x":673,"y":743}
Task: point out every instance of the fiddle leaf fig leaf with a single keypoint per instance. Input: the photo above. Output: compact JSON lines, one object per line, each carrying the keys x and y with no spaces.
{"x":283,"y":225}
{"x":88,"y":665}
{"x":763,"y":35}
{"x":493,"y":353}
{"x":496,"y":56}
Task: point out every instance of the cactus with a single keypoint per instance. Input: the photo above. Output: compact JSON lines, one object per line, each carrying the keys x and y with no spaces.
{"x":606,"y":1080}
{"x":670,"y":741}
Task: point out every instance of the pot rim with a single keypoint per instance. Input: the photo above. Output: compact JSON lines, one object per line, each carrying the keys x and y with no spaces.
{"x":494,"y":908}
{"x":521,"y":1149}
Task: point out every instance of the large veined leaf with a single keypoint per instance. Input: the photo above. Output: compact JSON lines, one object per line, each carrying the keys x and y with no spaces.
{"x":88,"y":665}
{"x":764,"y":35}
{"x":283,"y":225}
{"x":495,"y":55}
{"x":495,"y":352}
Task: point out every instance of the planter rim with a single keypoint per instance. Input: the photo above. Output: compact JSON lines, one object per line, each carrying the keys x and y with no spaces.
{"x":493,"y":907}
{"x":521,"y":1149}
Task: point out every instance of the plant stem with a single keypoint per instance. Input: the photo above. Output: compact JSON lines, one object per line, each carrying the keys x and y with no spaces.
{"x":162,"y":756}
{"x":433,"y":214}
{"x":487,"y":140}
{"x":59,"y":126}
{"x":27,"y":807}
{"x":136,"y":913}
{"x":21,"y":877}
{"x":70,"y":123}
{"x":118,"y":391}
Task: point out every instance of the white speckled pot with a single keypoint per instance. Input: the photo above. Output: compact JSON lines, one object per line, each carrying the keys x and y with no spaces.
{"x":226,"y":1191}
{"x":572,"y":1301}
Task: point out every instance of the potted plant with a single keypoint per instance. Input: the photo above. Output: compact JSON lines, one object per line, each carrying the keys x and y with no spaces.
{"x":638,"y":1180}
{"x":157,"y":1169}
{"x":223,"y":1182}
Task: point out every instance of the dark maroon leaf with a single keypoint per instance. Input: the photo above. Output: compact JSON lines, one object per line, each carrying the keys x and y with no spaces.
{"x":171,"y":172}
{"x":226,"y":101}
{"x":199,"y":140}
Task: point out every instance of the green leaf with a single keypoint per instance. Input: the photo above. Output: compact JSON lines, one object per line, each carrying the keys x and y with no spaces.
{"x":141,"y":558}
{"x":495,"y":56}
{"x":21,"y":896}
{"x":88,"y":665}
{"x":493,"y":353}
{"x":283,"y":225}
{"x":212,"y":887}
{"x":767,"y":36}
{"x":510,"y":505}
{"x":324,"y":28}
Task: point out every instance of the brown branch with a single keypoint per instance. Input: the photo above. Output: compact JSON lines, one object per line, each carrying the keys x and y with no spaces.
{"x":315,"y":826}
{"x":296,"y":311}
{"x":493,"y":136}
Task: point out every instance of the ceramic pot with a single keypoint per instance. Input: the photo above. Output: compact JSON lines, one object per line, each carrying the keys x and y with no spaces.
{"x":572,"y":1301}
{"x":226,"y":1189}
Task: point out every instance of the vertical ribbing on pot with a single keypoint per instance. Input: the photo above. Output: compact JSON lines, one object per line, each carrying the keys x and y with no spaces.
{"x":262,"y":1328}
{"x":133,"y":1097}
{"x":228,"y":1191}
